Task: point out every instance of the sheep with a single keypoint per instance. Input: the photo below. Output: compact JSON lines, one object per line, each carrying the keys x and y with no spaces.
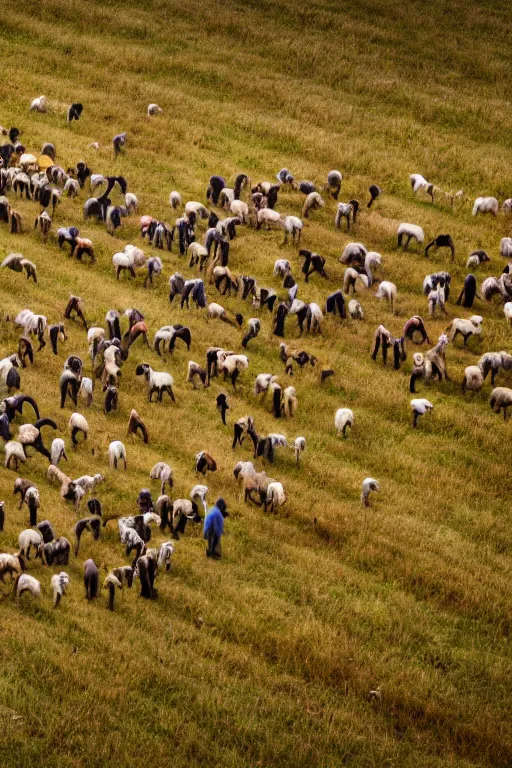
{"x":262,"y":383}
{"x":240,"y":209}
{"x":163,"y":472}
{"x":268,"y":216}
{"x":335,"y":303}
{"x":14,"y":565}
{"x":501,"y":397}
{"x":118,"y":142}
{"x":116,"y":453}
{"x":368,"y":485}
{"x":86,"y":389}
{"x":384,"y":337}
{"x":506,"y":247}
{"x":181,"y":511}
{"x":351,"y":278}
{"x":290,"y":402}
{"x":433,"y":363}
{"x":111,"y":583}
{"x":491,"y":361}
{"x":419,"y":407}
{"x":91,"y":579}
{"x":78,"y":423}
{"x":372,"y":260}
{"x":39,"y":104}
{"x":159,"y":382}
{"x":135,"y":424}
{"x":473,"y":379}
{"x":254,"y":325}
{"x":14,"y":454}
{"x":196,"y":371}
{"x":476,"y":258}
{"x":91,"y":524}
{"x":29,"y":539}
{"x":56,"y":552}
{"x":44,"y":222}
{"x":69,"y":385}
{"x":441,"y":241}
{"x":71,"y":188}
{"x":233,"y":365}
{"x":175,"y":200}
{"x":387,"y":290}
{"x":355,"y":310}
{"x":411,"y":232}
{"x":314,"y":318}
{"x":89,"y":482}
{"x":275,"y":496}
{"x":485,"y":205}
{"x":312,"y":202}
{"x":59,"y":584}
{"x":343,"y":211}
{"x":33,"y":501}
{"x":466,"y":328}
{"x":299,"y":446}
{"x":343,"y":419}
{"x":333,"y":185}
{"x":415,"y":325}
{"x":313,"y":262}
{"x":432,"y":282}
{"x":74,"y":306}
{"x":154,"y":109}
{"x":293,"y":226}
{"x":205,"y":463}
{"x":468,"y":293}
{"x":419,"y":183}
{"x":501,"y":286}
{"x":17,"y":263}
{"x":27,"y":583}
{"x":375,"y":192}
{"x":46,"y":530}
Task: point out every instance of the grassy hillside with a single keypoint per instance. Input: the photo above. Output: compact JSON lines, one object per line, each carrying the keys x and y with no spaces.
{"x":300,"y":621}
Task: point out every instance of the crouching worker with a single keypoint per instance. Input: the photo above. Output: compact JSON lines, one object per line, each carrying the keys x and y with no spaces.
{"x":214,"y":528}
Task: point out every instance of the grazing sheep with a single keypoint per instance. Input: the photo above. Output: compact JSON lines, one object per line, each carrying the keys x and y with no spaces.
{"x":351,"y":278}
{"x":59,"y":584}
{"x":56,"y":552}
{"x":415,"y":325}
{"x":333,"y":185}
{"x":353,"y":253}
{"x":232,"y":366}
{"x":163,"y":472}
{"x":466,"y":328}
{"x":372,"y":260}
{"x":411,"y":232}
{"x":196,"y":371}
{"x":159,"y":382}
{"x":441,"y":241}
{"x":335,"y":303}
{"x":387,"y":290}
{"x":91,"y":524}
{"x":25,"y":582}
{"x":135,"y":424}
{"x":14,"y":565}
{"x":274,"y":495}
{"x":368,"y":485}
{"x":39,"y":104}
{"x":473,"y":379}
{"x":419,"y":183}
{"x":33,"y":501}
{"x":205,"y":463}
{"x":313,"y":262}
{"x":78,"y":423}
{"x":17,"y":263}
{"x":91,"y":579}
{"x":343,"y":419}
{"x":433,"y":363}
{"x":355,"y":310}
{"x":290,"y":402}
{"x":501,"y":397}
{"x":506,"y":247}
{"x":268,"y":216}
{"x":486,"y":205}
{"x":312,"y":202}
{"x":468,"y":293}
{"x":419,"y":407}
{"x":383,"y":337}
{"x":116,"y":453}
{"x":44,"y":222}
{"x":175,"y":200}
{"x":154,"y":109}
{"x":293,"y":226}
{"x":14,"y":455}
{"x":111,"y":583}
{"x":476,"y":258}
{"x":375,"y":192}
{"x":29,"y":539}
{"x":344,"y":211}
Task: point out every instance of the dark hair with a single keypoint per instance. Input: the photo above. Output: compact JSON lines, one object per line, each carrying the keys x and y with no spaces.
{"x":221,"y":504}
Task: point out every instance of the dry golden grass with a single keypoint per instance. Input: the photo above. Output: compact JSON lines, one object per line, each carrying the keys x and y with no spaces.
{"x":300,"y":622}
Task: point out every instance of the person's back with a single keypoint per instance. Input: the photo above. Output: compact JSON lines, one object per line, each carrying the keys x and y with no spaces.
{"x":214,"y":528}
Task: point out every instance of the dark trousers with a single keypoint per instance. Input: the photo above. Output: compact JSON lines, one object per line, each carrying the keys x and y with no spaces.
{"x":213,"y":548}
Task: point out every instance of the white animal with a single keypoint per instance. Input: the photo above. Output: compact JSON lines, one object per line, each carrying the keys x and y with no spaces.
{"x":409,"y":232}
{"x":506,"y":247}
{"x":387,"y":290}
{"x":39,"y":104}
{"x":27,"y":583}
{"x":58,"y":451}
{"x":369,"y":484}
{"x":154,"y":109}
{"x":343,"y":419}
{"x":175,"y":199}
{"x":355,"y":310}
{"x":116,"y":453}
{"x":59,"y":583}
{"x":486,"y":205}
{"x":419,"y":407}
{"x":473,"y":379}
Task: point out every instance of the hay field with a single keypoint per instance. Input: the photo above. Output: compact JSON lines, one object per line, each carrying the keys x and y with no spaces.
{"x":300,"y":621}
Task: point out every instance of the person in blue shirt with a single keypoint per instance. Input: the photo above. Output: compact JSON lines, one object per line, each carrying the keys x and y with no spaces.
{"x":214,"y":528}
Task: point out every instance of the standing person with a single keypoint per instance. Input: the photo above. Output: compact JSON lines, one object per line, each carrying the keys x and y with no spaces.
{"x":214,"y":528}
